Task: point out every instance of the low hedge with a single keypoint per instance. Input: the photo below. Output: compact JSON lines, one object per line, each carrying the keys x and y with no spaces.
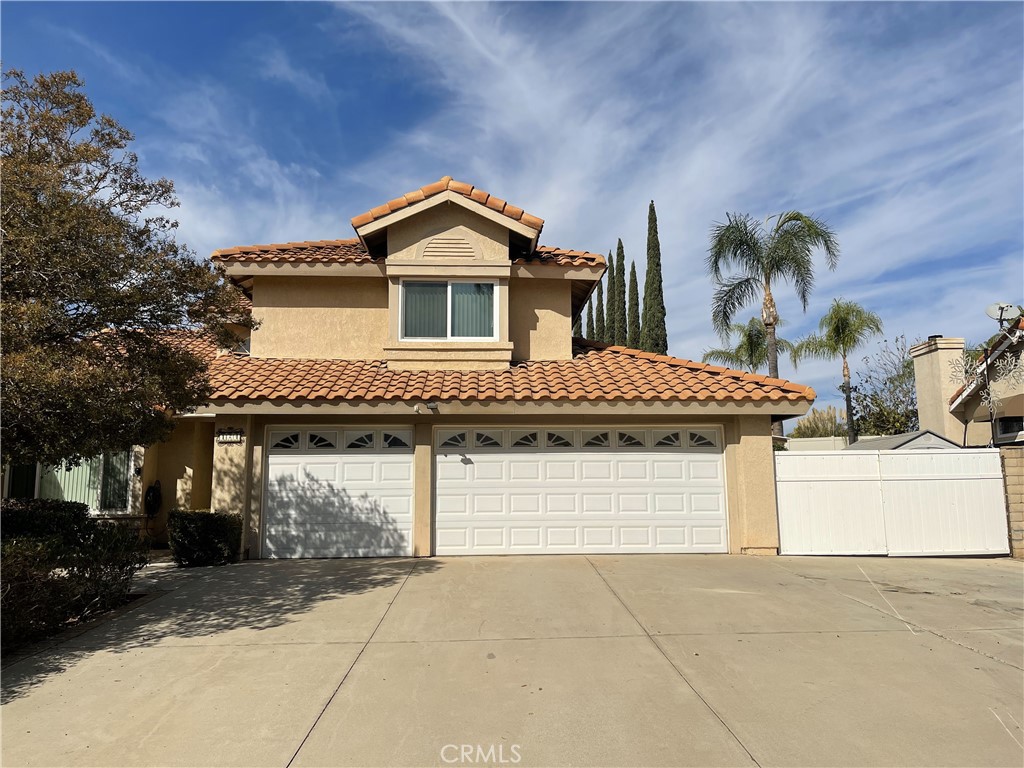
{"x":201,"y":537}
{"x":59,"y":565}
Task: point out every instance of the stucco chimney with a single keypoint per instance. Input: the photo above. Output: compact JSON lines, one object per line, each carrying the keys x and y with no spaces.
{"x":932,"y":367}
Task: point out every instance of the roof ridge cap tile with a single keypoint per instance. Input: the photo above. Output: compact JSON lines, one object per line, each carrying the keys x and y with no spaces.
{"x":462,"y":188}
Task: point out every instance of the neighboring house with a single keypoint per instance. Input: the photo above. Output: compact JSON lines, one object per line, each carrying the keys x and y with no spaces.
{"x":958,"y":411}
{"x":922,"y":440}
{"x":416,"y":390}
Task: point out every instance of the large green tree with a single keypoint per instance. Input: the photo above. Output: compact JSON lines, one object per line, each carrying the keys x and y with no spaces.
{"x":591,"y":330}
{"x":97,"y":294}
{"x":653,"y":332}
{"x":600,"y":329}
{"x":846,"y":327}
{"x":633,"y":323}
{"x":609,"y":297}
{"x":621,"y":325}
{"x":748,"y":347}
{"x":764,"y":255}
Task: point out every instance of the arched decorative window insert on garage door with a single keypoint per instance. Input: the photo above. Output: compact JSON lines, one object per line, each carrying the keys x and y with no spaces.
{"x":629,"y":439}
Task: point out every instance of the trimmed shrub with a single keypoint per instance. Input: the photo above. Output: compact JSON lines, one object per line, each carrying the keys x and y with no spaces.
{"x":105,"y":565}
{"x":202,"y":537}
{"x":59,"y":565}
{"x":65,"y":522}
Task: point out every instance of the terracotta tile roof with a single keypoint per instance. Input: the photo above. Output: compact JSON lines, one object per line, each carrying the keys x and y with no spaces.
{"x":563,"y":257}
{"x":447,"y":183}
{"x":198,"y":344}
{"x":353,"y":252}
{"x":596,"y":373}
{"x":306,"y":251}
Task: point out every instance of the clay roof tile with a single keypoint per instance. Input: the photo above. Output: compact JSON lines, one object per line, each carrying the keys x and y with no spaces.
{"x":596,"y":373}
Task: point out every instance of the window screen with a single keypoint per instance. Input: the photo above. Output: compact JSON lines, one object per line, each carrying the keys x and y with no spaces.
{"x":425,"y":310}
{"x":473,"y":310}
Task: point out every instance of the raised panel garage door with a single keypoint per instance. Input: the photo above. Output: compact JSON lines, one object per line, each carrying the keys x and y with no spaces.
{"x":336,"y":492}
{"x":517,"y":491}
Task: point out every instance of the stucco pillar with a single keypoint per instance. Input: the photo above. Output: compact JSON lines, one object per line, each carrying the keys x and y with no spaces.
{"x":202,"y":464}
{"x":750,"y":465}
{"x":232,"y":469}
{"x":423,"y":492}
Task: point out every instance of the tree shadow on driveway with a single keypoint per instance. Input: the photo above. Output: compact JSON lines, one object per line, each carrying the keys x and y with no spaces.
{"x":200,"y":604}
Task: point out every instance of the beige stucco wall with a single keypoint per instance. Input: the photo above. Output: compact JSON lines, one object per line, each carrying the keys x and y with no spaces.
{"x":342,"y":318}
{"x":408,"y":238}
{"x":171,"y":462}
{"x":202,"y":464}
{"x":750,"y":476}
{"x":539,"y":321}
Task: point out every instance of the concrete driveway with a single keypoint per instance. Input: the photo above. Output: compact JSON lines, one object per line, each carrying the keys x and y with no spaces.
{"x":542,"y":661}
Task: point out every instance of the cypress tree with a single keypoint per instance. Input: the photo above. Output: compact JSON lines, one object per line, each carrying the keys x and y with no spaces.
{"x":609,"y":306}
{"x":577,"y":327}
{"x":633,"y":323}
{"x":619,"y":305}
{"x":653,"y":334}
{"x":590,"y":320}
{"x":600,"y":332}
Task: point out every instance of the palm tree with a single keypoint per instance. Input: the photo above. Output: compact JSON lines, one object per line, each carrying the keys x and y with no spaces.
{"x":750,"y":352}
{"x":845,"y":327}
{"x":765,"y":256}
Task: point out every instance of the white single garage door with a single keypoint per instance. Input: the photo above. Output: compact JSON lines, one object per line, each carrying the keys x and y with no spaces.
{"x":517,"y":491}
{"x":333,"y":492}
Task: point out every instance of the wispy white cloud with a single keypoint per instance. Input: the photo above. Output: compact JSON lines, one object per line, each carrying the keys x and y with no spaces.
{"x":911,"y":144}
{"x":902,"y":124}
{"x":275,"y":65}
{"x":122,"y":68}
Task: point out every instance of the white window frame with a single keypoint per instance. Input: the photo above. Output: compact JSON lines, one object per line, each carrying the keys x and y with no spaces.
{"x":448,"y":310}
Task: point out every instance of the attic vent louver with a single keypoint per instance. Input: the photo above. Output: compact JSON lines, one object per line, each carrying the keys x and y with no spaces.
{"x":448,"y":246}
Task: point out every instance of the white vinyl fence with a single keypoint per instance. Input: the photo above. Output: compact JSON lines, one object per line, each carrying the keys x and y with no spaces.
{"x":891,"y":503}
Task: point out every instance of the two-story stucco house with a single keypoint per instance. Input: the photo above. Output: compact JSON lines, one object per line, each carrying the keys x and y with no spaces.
{"x":416,"y":390}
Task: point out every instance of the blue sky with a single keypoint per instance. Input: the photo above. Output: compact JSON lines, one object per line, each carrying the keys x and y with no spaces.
{"x":901,"y":124}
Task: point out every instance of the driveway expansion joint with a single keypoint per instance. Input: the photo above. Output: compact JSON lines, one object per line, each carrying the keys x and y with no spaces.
{"x":672,"y":664}
{"x":351,"y":666}
{"x":910,"y":625}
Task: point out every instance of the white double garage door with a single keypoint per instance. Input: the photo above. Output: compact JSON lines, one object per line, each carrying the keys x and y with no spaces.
{"x":336,"y":492}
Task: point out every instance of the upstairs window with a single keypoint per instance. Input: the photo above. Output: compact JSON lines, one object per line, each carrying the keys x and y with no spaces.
{"x":451,"y":309}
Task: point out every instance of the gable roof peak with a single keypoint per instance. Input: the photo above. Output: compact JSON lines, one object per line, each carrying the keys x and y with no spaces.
{"x":448,"y":184}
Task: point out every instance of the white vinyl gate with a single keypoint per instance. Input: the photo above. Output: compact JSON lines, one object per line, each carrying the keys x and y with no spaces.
{"x":891,"y":503}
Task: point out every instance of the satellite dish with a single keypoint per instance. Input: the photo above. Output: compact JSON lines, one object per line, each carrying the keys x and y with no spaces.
{"x":1003,"y":312}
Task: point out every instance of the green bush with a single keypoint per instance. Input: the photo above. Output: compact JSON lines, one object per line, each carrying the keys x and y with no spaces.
{"x":105,"y":565}
{"x":36,"y":599}
{"x":58,"y":565}
{"x":62,"y":521}
{"x":202,"y":537}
